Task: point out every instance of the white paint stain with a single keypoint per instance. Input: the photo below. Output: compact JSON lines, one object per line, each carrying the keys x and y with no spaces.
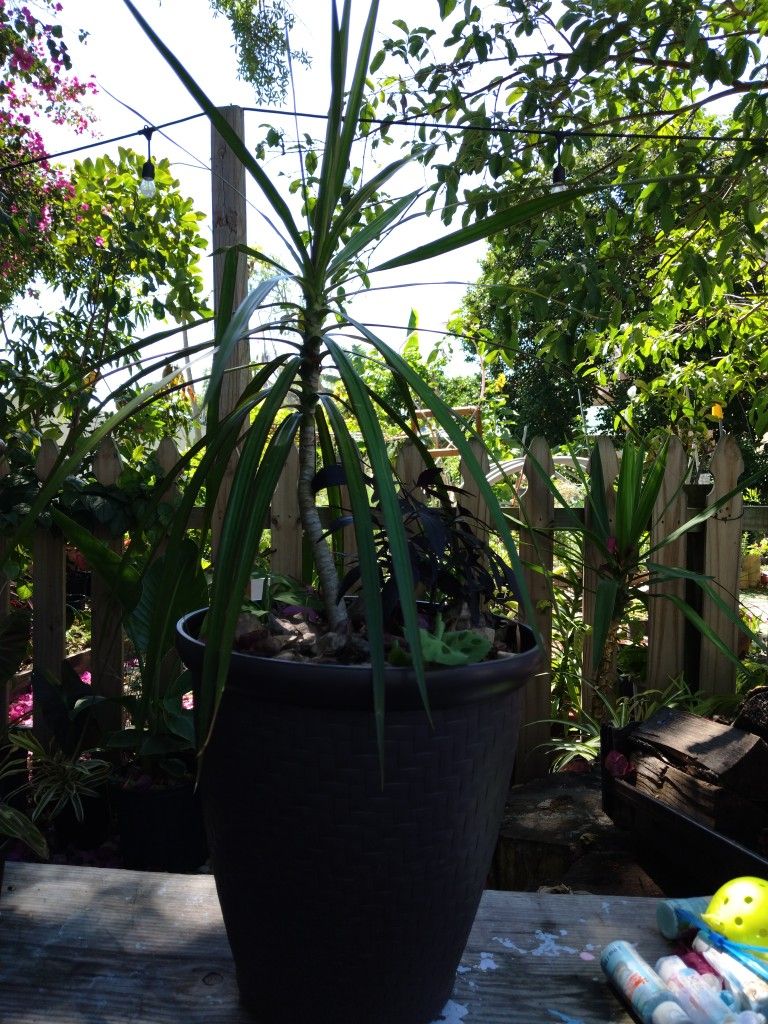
{"x":463,"y":969}
{"x":487,"y":962}
{"x":453,"y":1013}
{"x":585,"y":955}
{"x":509,"y":944}
{"x":564,"y":1018}
{"x":549,"y":946}
{"x":605,"y":906}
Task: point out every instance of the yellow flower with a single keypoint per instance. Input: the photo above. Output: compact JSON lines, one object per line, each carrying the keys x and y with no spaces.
{"x":717,"y":410}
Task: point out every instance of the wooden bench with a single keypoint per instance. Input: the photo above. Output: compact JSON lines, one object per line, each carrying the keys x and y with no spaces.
{"x":98,"y":946}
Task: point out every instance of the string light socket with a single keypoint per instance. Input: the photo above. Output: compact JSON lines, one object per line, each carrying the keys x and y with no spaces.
{"x":147,"y":185}
{"x":558,"y":172}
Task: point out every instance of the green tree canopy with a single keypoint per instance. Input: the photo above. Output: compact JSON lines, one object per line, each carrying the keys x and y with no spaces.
{"x":668,"y":285}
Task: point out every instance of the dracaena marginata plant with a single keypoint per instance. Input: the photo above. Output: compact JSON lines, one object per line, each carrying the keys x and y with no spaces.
{"x":287,"y":400}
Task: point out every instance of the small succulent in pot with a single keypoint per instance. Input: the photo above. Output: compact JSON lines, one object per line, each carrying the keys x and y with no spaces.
{"x":287,"y":402}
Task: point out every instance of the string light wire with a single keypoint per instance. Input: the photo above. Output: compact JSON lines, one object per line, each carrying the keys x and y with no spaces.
{"x":500,"y":129}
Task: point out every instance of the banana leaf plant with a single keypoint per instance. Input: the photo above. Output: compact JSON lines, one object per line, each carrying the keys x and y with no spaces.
{"x":287,"y":401}
{"x":626,"y":565}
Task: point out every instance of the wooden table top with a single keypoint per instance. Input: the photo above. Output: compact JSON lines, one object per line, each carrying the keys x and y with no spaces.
{"x":99,"y":946}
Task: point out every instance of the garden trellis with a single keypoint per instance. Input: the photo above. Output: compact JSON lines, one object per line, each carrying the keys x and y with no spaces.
{"x":713,"y":547}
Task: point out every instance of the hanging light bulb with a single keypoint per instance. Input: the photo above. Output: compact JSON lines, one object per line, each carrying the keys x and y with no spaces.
{"x":147,"y":185}
{"x":558,"y":173}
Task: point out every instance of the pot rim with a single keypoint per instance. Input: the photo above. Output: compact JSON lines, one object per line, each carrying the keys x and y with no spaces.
{"x":333,"y":685}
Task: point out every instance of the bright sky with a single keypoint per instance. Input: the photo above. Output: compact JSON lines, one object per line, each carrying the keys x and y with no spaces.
{"x":123,"y":62}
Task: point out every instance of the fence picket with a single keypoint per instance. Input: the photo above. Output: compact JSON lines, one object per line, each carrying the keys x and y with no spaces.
{"x":49,"y":590}
{"x":717,"y":673}
{"x":5,"y":605}
{"x":605,"y":451}
{"x":285,"y":521}
{"x":107,"y":648}
{"x":665,"y":629}
{"x":666,"y":625}
{"x":537,"y":510}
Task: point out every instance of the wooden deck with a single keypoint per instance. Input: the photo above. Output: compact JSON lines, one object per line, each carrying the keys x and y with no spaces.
{"x":97,"y":946}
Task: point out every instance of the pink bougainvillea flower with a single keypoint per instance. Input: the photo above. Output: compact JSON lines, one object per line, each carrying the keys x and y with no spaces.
{"x":188,"y":701}
{"x":85,"y":677}
{"x":20,"y":710}
{"x":99,"y":241}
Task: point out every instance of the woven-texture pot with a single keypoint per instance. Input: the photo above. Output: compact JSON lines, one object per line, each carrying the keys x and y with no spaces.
{"x":347,"y":901}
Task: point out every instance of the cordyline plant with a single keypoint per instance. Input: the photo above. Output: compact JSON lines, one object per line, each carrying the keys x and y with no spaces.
{"x":286,"y":400}
{"x":626,"y":557}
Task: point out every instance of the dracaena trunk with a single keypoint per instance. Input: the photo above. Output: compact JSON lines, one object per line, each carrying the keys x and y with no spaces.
{"x":336,"y":615}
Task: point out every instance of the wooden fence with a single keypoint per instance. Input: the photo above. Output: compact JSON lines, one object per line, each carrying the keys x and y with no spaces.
{"x":713,"y":547}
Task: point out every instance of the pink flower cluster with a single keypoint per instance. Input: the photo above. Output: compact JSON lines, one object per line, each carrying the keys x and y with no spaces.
{"x":20,"y":709}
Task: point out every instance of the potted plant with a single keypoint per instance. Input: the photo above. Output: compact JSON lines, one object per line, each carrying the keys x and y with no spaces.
{"x":151,"y":787}
{"x":352,"y":804}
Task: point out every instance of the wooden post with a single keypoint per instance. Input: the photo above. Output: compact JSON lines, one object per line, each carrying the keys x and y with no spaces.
{"x":409,"y":465}
{"x":285,"y":521}
{"x":604,"y":451}
{"x":666,"y":624}
{"x":473,"y":500}
{"x":537,"y":511}
{"x":228,"y":213}
{"x":721,"y":562}
{"x":107,"y":654}
{"x":167,"y":457}
{"x":49,"y":590}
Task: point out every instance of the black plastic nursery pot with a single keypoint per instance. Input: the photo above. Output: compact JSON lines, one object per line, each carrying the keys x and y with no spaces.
{"x":160,"y":829}
{"x":347,"y":901}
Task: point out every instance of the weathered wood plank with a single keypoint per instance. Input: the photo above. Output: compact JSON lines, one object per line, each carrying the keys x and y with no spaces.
{"x":537,"y":506}
{"x":229,"y":215}
{"x":722,"y":809}
{"x":5,"y":604}
{"x":717,"y":673}
{"x":709,"y":750}
{"x":593,"y":556}
{"x":95,"y":946}
{"x":49,"y":589}
{"x":285,"y":521}
{"x":107,"y":648}
{"x":666,"y":625}
{"x":409,"y":465}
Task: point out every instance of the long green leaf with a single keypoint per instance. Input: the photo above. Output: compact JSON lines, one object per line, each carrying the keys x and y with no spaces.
{"x":376,"y":449}
{"x":15,"y":825}
{"x":605,"y":607}
{"x":326,"y":199}
{"x":234,"y":142}
{"x":444,"y":417}
{"x":121,"y":577}
{"x":69,"y":461}
{"x":484,"y":228}
{"x":232,"y":330}
{"x":649,"y":493}
{"x":693,"y":616}
{"x":367,"y":561}
{"x":258,"y":470}
{"x":371,"y":232}
{"x":344,"y":127}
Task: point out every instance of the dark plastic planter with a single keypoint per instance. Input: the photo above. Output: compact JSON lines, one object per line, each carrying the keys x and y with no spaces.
{"x":160,"y":829}
{"x":346,"y":902}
